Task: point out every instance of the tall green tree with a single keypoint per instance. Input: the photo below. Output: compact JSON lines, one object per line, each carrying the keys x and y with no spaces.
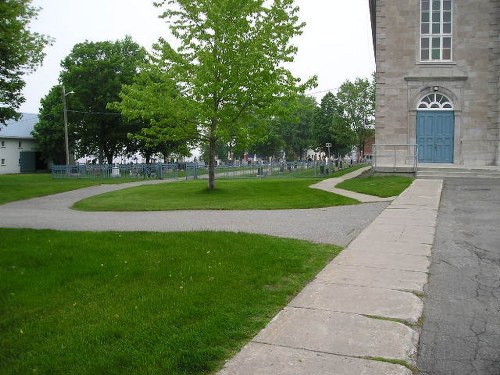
{"x":21,"y":52}
{"x":357,"y":100}
{"x":167,"y":124}
{"x":297,"y":131}
{"x":96,"y":72}
{"x":229,"y":65}
{"x":330,"y":126}
{"x":270,"y":142}
{"x":49,"y":131}
{"x":288,"y":130}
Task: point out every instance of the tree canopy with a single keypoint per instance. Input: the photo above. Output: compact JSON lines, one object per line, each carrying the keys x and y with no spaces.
{"x":167,"y":125}
{"x":49,"y":131}
{"x":21,"y":51}
{"x":94,"y":72}
{"x":227,"y":75}
{"x":289,"y":130}
{"x":330,"y":126}
{"x":357,"y":100}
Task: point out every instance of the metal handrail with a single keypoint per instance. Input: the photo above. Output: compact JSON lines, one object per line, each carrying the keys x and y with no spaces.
{"x":410,"y":156}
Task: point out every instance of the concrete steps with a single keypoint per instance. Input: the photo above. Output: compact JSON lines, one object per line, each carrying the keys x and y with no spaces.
{"x":457,"y":171}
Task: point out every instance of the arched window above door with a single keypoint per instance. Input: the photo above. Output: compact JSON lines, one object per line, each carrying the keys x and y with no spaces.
{"x":435,"y":101}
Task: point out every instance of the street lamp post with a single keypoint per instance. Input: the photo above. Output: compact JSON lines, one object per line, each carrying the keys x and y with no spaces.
{"x":328,"y":160}
{"x":65,"y":114}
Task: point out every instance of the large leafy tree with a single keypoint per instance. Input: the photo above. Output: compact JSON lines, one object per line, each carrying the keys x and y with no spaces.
{"x":269,"y":142}
{"x":289,"y":130}
{"x":167,"y":126}
{"x":330,"y":126}
{"x":228,"y":72}
{"x":297,"y":131}
{"x":21,"y":51}
{"x":96,"y":72}
{"x":49,"y":131}
{"x":357,"y":102}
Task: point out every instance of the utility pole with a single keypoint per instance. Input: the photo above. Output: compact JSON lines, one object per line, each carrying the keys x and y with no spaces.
{"x":65,"y":114}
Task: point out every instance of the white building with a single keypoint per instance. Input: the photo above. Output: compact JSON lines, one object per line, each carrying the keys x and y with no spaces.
{"x":18,"y":146}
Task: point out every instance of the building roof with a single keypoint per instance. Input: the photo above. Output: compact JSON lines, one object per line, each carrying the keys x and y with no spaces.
{"x":21,"y":128}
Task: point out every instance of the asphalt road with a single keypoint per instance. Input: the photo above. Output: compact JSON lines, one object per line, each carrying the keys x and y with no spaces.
{"x":461,"y":333}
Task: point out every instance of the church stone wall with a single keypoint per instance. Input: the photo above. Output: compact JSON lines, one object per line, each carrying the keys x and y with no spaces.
{"x":471,"y":80}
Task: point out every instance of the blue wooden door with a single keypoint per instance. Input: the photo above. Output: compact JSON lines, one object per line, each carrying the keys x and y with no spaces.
{"x":435,"y":136}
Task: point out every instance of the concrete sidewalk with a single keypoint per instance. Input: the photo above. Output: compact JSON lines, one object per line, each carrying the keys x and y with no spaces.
{"x":359,"y":312}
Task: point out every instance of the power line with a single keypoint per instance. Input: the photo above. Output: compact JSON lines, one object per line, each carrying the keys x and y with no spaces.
{"x":322,"y":91}
{"x":96,"y":113}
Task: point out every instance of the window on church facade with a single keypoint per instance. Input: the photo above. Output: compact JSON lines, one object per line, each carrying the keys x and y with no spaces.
{"x":436,"y":30}
{"x":435,"y":101}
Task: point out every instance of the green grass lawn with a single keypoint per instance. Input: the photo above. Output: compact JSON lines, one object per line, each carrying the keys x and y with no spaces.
{"x":344,"y":171}
{"x":248,"y":194}
{"x":315,"y":172}
{"x":14,"y":187}
{"x":288,"y":170}
{"x":141,"y":303}
{"x":381,"y":186}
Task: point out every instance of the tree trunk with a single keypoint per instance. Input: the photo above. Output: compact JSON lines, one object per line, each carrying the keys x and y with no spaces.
{"x":108,"y":154}
{"x":212,"y":144}
{"x":211,"y":163}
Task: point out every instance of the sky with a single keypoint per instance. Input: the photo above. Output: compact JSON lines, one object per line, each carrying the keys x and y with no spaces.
{"x":336,"y":43}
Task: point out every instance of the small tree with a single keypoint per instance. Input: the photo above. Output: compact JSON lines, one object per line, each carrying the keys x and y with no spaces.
{"x":21,"y":52}
{"x":227,"y":73}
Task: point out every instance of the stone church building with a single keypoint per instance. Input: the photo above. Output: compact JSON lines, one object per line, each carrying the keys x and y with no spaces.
{"x":438,"y":81}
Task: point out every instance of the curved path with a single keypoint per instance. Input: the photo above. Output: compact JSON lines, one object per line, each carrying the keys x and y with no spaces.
{"x":334,"y":225}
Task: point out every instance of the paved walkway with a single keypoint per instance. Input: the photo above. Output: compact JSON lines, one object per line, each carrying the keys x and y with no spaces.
{"x":331,"y":183}
{"x":341,"y":321}
{"x":333,"y":225}
{"x":346,"y":317}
